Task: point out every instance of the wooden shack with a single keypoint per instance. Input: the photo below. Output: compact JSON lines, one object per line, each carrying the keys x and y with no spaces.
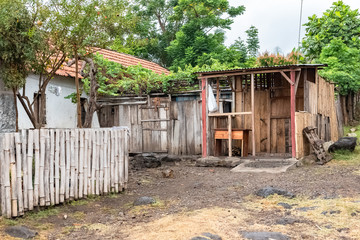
{"x":270,"y":106}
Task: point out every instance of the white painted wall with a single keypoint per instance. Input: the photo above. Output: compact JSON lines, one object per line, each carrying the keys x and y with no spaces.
{"x":60,"y":112}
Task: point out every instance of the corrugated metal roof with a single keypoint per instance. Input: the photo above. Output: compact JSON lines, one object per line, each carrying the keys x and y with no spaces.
{"x":263,"y":68}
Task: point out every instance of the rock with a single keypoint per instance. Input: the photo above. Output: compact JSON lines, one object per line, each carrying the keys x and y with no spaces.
{"x":305,"y":209}
{"x":267,"y":191}
{"x":207,"y":236}
{"x":65,"y":216}
{"x":168,"y":173}
{"x":352,"y":134}
{"x":144,"y":201}
{"x":307,"y":160}
{"x":285,"y":205}
{"x":326,"y":146}
{"x":286,"y":221}
{"x":20,"y":232}
{"x":352,"y":129}
{"x":170,"y":158}
{"x":344,"y":143}
{"x":264,"y":236}
{"x":147,"y":160}
{"x":211,"y":161}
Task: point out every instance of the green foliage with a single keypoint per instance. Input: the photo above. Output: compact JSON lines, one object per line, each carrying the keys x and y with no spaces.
{"x":17,"y":39}
{"x":252,"y":41}
{"x":337,"y":22}
{"x":272,"y":59}
{"x":343,"y":66}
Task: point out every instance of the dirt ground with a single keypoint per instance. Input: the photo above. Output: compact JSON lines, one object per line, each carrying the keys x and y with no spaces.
{"x":215,"y":200}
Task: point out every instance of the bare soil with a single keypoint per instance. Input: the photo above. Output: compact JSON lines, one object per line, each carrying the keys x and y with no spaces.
{"x":199,"y":199}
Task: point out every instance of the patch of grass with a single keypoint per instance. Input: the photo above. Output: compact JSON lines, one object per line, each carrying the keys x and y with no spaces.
{"x":347,"y":157}
{"x":78,"y":215}
{"x":68,"y":229}
{"x":51,"y":211}
{"x":9,"y":222}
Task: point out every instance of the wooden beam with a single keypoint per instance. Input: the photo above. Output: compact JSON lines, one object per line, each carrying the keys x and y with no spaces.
{"x":203,"y":110}
{"x":228,"y":114}
{"x":292,"y":114}
{"x":230,"y":135}
{"x":253,"y":114}
{"x":217,"y":92}
{"x":287,"y":78}
{"x":248,"y":73}
{"x":297,"y":81}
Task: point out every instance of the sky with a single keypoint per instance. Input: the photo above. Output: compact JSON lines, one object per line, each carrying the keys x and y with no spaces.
{"x":277,"y":21}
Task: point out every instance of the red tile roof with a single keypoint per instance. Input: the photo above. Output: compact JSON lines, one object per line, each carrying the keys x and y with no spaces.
{"x":124,"y":59}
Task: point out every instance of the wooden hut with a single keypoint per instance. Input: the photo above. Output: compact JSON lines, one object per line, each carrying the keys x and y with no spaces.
{"x":270,"y":106}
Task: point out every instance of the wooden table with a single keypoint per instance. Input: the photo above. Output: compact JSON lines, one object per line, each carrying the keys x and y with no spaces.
{"x":237,"y":134}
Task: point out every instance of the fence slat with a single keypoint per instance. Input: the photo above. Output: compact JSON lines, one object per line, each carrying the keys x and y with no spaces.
{"x":86,"y":156}
{"x":25,"y":169}
{"x":121,"y":160}
{"x":19,"y":188}
{"x":72,"y":165}
{"x":112,"y":162}
{"x":76,"y":162}
{"x":47,"y":168}
{"x":2,"y":173}
{"x":14,"y":210}
{"x":68,"y":165}
{"x":81,"y":164}
{"x":7,"y":176}
{"x":29,"y":162}
{"x":42,"y":166}
{"x":93,"y":162}
{"x":57,"y":166}
{"x":51,"y":167}
{"x":62,"y":166}
{"x":126,"y":151}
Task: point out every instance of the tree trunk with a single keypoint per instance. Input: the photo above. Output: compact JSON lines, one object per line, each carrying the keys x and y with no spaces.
{"x":92,"y":106}
{"x":16,"y":111}
{"x":350,"y":107}
{"x":78,"y":103}
{"x":344,"y":109}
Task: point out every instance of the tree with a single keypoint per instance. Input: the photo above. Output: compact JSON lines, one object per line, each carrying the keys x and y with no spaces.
{"x":252,"y":41}
{"x":275,"y":59}
{"x":337,"y":22}
{"x":202,"y":32}
{"x":18,"y":37}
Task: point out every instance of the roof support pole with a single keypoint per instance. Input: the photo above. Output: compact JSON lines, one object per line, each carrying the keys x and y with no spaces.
{"x":292,"y":114}
{"x":253,"y":114}
{"x":204,"y":115}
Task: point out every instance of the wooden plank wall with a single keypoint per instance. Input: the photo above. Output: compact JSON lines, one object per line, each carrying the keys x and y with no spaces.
{"x":181,"y":135}
{"x":47,"y":167}
{"x":303,"y":119}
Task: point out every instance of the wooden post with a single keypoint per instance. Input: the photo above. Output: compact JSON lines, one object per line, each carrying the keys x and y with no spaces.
{"x":292,"y":113}
{"x":217,"y":92}
{"x":48,"y":159}
{"x":230,"y":135}
{"x":268,"y":118}
{"x":253,"y":115}
{"x":204,"y":115}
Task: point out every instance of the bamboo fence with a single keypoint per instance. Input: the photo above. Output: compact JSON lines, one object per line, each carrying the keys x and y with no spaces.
{"x":47,"y":167}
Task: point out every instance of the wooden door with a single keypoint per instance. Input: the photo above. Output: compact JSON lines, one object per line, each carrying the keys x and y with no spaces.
{"x":154,"y":124}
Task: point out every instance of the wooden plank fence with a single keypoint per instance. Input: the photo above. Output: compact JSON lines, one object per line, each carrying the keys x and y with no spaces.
{"x":47,"y":167}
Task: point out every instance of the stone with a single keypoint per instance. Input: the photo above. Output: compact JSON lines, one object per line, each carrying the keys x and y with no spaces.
{"x":264,"y":236}
{"x":326,"y":146}
{"x":170,"y":158}
{"x":285,"y":205}
{"x":211,"y":161}
{"x":147,"y":160}
{"x":305,"y":209}
{"x":20,"y":232}
{"x":168,"y":173}
{"x":144,"y":201}
{"x":352,"y":134}
{"x":352,"y":129}
{"x":286,"y":221}
{"x":344,"y":143}
{"x":207,"y":236}
{"x":267,"y":191}
{"x":307,"y":160}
